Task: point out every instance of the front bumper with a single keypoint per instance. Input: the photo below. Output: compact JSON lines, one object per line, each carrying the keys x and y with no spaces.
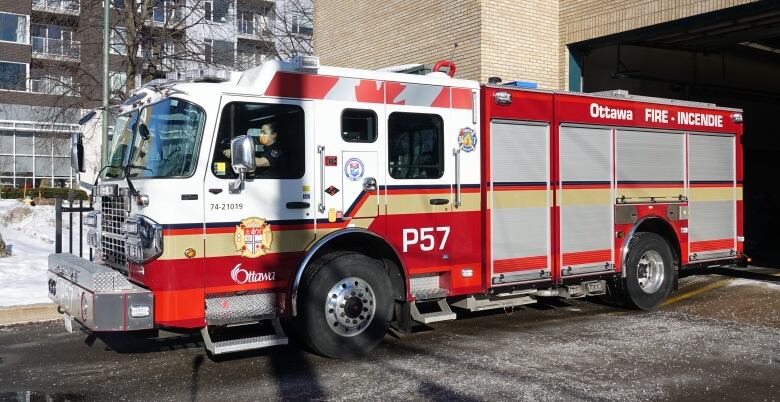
{"x":97,"y":296}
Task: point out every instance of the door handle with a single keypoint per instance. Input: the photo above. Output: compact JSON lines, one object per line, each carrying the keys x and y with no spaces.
{"x":298,"y":205}
{"x":369,"y":184}
{"x":456,"y":153}
{"x":439,"y":201}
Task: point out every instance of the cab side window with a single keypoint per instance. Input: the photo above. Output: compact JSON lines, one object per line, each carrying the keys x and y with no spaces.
{"x":358,"y":125}
{"x":278,"y":133}
{"x":415,"y":146}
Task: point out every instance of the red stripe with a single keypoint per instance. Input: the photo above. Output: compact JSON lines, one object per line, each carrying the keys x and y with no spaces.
{"x":519,"y":264}
{"x":710,"y":245}
{"x":309,"y":86}
{"x":461,"y":98}
{"x":604,"y":186}
{"x":650,"y":185}
{"x":518,"y":188}
{"x":585,"y":257}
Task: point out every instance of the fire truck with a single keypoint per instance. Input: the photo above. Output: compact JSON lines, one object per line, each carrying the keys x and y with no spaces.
{"x":334,"y":203}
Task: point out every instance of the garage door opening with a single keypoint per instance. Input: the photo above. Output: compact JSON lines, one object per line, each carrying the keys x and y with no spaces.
{"x":730,"y":58}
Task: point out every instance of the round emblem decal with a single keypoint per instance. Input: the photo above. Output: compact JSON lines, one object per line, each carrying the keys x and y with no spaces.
{"x":253,"y":237}
{"x":467,"y":139}
{"x":354,"y":169}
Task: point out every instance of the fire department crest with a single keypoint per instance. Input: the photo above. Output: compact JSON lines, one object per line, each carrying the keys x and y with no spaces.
{"x":253,"y":237}
{"x":467,"y":139}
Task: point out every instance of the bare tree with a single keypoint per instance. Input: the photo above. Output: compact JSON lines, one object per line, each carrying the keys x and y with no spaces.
{"x":292,"y":28}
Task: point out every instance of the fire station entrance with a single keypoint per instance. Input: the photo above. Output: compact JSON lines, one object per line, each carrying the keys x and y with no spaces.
{"x":730,"y":58}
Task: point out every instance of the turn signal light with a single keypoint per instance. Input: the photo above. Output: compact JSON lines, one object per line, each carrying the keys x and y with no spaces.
{"x":189,"y":253}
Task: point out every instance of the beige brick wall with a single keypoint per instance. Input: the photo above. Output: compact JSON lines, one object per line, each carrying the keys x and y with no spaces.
{"x":520,"y":41}
{"x":514,"y":39}
{"x":381,"y":33}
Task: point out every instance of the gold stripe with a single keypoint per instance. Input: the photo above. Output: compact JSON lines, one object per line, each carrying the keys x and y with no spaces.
{"x":714,"y":193}
{"x":590,"y":196}
{"x":398,"y":204}
{"x":520,"y":199}
{"x":174,"y":246}
{"x":664,"y":192}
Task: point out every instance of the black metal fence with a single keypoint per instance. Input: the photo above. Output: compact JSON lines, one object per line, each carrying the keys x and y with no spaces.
{"x":70,"y":206}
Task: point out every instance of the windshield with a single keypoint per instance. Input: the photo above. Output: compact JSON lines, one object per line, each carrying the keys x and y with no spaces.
{"x":169,"y":150}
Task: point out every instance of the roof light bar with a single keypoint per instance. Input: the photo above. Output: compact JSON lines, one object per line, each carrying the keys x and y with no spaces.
{"x":306,"y":62}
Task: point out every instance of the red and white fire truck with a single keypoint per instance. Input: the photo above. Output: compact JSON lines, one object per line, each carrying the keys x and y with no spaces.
{"x":344,"y":201}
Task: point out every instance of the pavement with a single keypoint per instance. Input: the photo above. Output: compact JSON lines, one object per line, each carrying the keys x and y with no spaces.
{"x":716,"y":338}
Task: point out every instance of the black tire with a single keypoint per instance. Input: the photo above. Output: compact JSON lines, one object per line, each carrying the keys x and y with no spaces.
{"x":313,"y":327}
{"x":630,"y":289}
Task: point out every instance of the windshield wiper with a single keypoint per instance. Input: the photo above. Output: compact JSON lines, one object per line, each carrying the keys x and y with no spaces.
{"x":97,"y":177}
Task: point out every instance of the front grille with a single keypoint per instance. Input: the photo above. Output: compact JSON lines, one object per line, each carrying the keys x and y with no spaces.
{"x":112,"y":240}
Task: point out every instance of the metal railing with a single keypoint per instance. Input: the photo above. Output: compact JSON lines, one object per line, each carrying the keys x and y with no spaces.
{"x":69,"y":49}
{"x":252,"y":27}
{"x":52,"y":86}
{"x":72,"y":208}
{"x":64,"y":6}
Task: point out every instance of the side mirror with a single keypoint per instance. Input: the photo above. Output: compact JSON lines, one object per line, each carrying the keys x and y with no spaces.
{"x":242,"y":159}
{"x":87,"y":117}
{"x":77,"y":153}
{"x":144,"y":131}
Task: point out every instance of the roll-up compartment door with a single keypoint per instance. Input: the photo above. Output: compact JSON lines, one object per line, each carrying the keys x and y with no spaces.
{"x":713,"y":193}
{"x":650,"y":166}
{"x":520,"y":202}
{"x":586,"y":200}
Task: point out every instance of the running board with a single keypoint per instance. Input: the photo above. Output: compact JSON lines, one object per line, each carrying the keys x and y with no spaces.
{"x":243,"y":344}
{"x":444,"y":313}
{"x":494,"y":301}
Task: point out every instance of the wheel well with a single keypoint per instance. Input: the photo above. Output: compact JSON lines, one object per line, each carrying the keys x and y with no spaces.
{"x":369,"y":244}
{"x":665,"y":230}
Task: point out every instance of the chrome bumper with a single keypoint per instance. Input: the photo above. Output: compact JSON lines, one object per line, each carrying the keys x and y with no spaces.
{"x":97,"y":296}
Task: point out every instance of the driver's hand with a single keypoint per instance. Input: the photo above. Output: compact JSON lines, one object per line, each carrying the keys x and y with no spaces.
{"x":226,"y":153}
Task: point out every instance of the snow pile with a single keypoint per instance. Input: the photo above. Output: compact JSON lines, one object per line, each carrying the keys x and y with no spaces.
{"x":30,"y":230}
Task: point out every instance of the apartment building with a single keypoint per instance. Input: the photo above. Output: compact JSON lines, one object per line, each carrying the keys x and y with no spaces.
{"x":51,"y":66}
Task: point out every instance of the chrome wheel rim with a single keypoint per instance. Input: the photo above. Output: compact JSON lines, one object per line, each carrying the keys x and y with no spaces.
{"x":650,"y":271}
{"x":350,"y":306}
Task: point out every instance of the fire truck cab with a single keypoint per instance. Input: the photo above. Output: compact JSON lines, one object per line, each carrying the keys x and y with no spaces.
{"x":344,"y":201}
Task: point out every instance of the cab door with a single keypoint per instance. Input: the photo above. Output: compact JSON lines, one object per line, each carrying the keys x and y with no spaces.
{"x":255,"y":236}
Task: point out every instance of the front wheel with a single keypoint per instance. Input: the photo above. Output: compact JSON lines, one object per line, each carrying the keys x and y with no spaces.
{"x":649,"y":271}
{"x":346,"y":305}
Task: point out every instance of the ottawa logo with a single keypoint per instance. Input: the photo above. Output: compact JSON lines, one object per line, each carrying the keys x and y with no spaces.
{"x":253,"y":237}
{"x":354,"y":169}
{"x":241,"y":276}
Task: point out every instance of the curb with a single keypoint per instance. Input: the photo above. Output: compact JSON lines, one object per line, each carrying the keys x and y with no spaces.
{"x":28,"y":313}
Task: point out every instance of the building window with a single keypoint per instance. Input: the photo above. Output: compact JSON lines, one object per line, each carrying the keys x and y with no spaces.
{"x":217,"y":10}
{"x":219,"y":52}
{"x":358,"y":125}
{"x":13,"y":28}
{"x":119,"y":40}
{"x":117,"y":82}
{"x":278,"y":132}
{"x":13,"y":76}
{"x":34,"y":159}
{"x":415,"y":146}
{"x":300,"y":23}
{"x":52,"y":82}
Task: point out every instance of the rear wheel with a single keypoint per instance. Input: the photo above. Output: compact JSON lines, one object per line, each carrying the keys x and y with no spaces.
{"x":346,"y":305}
{"x":649,"y":271}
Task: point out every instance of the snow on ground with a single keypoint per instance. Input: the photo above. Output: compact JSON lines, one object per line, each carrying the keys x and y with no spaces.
{"x":30,"y":230}
{"x":744,"y":282}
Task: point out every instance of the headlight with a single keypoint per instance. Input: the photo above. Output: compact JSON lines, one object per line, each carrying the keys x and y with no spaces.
{"x":130,"y":227}
{"x":93,"y":239}
{"x":144,"y":239}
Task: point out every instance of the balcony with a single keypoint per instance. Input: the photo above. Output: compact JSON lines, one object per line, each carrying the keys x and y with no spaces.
{"x":70,"y":7}
{"x":249,"y":27}
{"x":55,"y":48}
